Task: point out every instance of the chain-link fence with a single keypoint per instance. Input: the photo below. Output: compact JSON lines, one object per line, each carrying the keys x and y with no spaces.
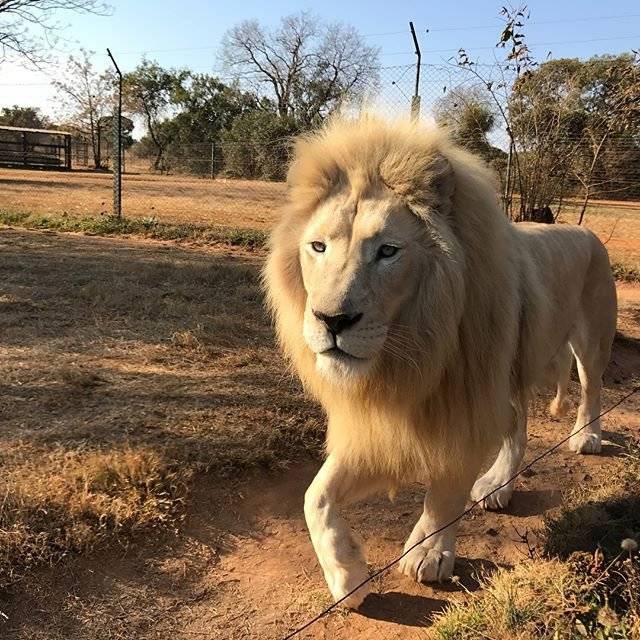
{"x":237,"y":180}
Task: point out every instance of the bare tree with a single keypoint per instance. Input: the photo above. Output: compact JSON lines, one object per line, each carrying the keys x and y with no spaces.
{"x":29,"y":27}
{"x":87,"y":98}
{"x":308,"y":67}
{"x":560,"y":117}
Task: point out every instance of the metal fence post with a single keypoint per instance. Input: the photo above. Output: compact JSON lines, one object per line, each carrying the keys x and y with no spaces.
{"x":117,"y":147}
{"x":415,"y":100}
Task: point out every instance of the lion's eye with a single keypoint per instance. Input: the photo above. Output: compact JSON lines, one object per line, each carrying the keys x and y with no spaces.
{"x":318,"y":247}
{"x":387,"y":251}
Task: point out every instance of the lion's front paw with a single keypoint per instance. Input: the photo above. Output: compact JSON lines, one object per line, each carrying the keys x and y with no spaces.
{"x":487,"y":485}
{"x":428,"y":565}
{"x":585,"y":442}
{"x":343,"y":580}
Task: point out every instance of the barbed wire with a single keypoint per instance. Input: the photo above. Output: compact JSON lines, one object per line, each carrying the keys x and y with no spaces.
{"x":468,"y":510}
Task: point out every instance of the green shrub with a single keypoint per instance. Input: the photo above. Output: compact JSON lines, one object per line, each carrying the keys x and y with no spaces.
{"x":257,"y":145}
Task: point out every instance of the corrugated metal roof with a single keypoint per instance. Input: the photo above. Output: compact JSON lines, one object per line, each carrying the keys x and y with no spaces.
{"x":50,"y":131}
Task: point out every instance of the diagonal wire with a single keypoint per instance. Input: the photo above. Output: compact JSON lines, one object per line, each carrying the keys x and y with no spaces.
{"x":468,"y":510}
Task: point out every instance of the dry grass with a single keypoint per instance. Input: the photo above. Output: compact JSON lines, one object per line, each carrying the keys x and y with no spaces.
{"x":148,"y":228}
{"x":521,"y":603}
{"x":600,"y":516}
{"x":584,"y":585}
{"x":548,"y":599}
{"x":183,"y":201}
{"x":58,"y":501}
{"x":129,"y":368}
{"x":172,"y":199}
{"x":626,"y":272}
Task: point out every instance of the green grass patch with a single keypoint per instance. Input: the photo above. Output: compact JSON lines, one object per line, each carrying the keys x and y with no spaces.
{"x":146,"y":227}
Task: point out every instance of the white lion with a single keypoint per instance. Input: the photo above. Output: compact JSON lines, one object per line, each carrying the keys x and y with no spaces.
{"x":422,"y":319}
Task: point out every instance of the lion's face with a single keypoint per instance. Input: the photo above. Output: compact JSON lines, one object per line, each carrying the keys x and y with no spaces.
{"x":359,"y":260}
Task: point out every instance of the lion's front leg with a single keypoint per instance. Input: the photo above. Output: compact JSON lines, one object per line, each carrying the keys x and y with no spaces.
{"x":338,"y":552}
{"x":433,"y":559}
{"x":493,"y":484}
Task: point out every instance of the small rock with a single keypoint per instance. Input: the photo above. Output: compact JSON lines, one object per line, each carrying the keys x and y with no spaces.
{"x":607,"y":617}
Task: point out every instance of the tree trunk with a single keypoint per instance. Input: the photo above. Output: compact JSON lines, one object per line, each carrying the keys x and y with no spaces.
{"x":94,"y":133}
{"x":587,"y":187}
{"x":157,"y":163}
{"x":98,"y":162}
{"x":585,"y":203}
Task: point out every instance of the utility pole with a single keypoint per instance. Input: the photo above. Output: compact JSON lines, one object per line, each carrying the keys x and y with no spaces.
{"x":117,"y":147}
{"x":415,"y":100}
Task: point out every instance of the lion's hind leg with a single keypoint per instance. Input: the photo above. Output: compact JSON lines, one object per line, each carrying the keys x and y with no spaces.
{"x":489,"y":488}
{"x":591,"y":341}
{"x":563,"y":361}
{"x":591,"y":365}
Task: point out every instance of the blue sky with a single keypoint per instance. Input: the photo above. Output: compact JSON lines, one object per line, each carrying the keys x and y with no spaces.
{"x":190,"y":36}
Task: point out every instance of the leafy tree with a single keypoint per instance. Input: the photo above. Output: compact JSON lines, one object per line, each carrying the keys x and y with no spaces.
{"x":108,"y":123}
{"x":307,"y":67}
{"x":86,"y":98}
{"x":580,"y":111}
{"x":257,"y":145}
{"x":610,"y":94}
{"x":187,"y":118}
{"x":149,"y":91}
{"x":28,"y":117}
{"x":561,"y":117}
{"x":469,"y":116}
{"x":617,"y":173}
{"x":28,"y":27}
{"x":205,"y":108}
{"x":208,"y":106}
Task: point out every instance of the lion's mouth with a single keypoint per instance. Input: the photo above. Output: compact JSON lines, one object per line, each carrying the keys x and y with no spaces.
{"x":337,"y":352}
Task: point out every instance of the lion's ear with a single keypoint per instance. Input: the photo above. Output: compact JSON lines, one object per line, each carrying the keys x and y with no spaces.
{"x":312,"y":175}
{"x":441,"y":185}
{"x":425,"y":182}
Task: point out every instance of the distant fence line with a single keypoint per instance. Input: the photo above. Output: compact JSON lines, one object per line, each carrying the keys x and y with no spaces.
{"x":242,"y":168}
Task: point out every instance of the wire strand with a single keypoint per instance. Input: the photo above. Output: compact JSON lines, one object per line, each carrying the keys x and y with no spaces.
{"x":468,"y":510}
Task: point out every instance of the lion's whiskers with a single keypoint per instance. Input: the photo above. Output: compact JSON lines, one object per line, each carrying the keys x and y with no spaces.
{"x":395,"y":349}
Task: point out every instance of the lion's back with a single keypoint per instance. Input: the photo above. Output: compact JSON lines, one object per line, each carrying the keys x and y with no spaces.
{"x":566,"y":280}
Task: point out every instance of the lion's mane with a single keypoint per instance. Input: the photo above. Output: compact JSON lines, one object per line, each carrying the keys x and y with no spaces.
{"x":448,"y":396}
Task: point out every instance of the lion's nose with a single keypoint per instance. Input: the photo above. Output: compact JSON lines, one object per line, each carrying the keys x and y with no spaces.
{"x":337,"y":323}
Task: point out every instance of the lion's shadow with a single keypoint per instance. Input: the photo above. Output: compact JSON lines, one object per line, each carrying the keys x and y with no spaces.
{"x":415,"y":610}
{"x":401,"y":608}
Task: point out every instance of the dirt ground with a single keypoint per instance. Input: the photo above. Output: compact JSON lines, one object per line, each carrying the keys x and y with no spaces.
{"x":183,"y":363}
{"x":238,"y":203}
{"x":178,"y":199}
{"x":617,"y":224}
